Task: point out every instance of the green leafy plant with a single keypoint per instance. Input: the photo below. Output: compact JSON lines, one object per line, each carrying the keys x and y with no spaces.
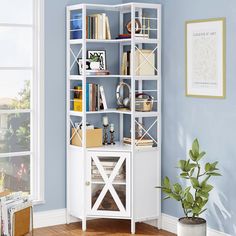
{"x":193,"y":198}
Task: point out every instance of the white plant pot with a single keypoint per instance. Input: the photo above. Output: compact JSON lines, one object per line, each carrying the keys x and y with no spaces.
{"x":94,"y":65}
{"x":184,"y":229}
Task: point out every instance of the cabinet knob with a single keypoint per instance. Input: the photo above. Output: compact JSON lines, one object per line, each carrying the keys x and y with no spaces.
{"x":87,"y":183}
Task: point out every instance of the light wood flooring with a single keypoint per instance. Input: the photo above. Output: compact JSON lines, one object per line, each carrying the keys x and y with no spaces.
{"x":101,"y":227}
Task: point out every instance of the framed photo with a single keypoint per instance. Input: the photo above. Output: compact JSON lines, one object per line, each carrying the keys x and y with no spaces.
{"x":98,"y":56}
{"x":205,"y":58}
{"x":80,"y":65}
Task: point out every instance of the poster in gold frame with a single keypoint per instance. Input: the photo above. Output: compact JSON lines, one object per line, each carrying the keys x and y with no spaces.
{"x":205,"y":58}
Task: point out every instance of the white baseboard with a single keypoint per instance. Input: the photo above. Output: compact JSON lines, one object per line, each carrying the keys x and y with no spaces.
{"x":58,"y":217}
{"x":169,"y":223}
{"x":49,"y":218}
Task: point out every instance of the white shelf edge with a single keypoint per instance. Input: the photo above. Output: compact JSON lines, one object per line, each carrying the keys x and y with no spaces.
{"x":109,"y":111}
{"x":80,"y":77}
{"x":129,"y":40}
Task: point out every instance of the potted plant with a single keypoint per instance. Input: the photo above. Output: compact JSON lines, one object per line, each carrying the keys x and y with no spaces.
{"x":193,"y":198}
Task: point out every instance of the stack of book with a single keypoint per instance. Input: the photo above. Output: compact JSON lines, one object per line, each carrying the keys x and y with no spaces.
{"x":97,"y":72}
{"x":145,"y":142}
{"x":95,"y":97}
{"x":97,"y":27}
{"x":12,"y":206}
{"x":128,"y":36}
{"x":108,"y":167}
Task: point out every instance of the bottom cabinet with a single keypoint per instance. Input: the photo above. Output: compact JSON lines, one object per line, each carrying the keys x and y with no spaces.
{"x":108,"y":184}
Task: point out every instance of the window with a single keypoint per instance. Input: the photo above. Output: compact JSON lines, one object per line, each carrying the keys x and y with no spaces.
{"x":21,"y":97}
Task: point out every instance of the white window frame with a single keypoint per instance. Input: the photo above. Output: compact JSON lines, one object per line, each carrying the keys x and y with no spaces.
{"x":38,"y":182}
{"x":37,"y":185}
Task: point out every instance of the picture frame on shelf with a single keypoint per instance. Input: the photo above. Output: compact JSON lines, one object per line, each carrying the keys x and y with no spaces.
{"x":98,"y":56}
{"x":205,"y":58}
{"x":80,"y":65}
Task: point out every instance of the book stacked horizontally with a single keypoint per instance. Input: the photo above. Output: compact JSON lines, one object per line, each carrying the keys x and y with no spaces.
{"x":11,"y":206}
{"x":145,"y":142}
{"x":128,"y":36}
{"x":97,"y":27}
{"x":97,"y":72}
{"x":95,"y":97}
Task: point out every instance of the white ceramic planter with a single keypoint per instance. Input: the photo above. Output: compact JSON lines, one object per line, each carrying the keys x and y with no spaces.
{"x":94,"y":65}
{"x":191,"y":229}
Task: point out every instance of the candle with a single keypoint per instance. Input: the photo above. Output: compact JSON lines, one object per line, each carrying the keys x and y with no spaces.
{"x":105,"y":120}
{"x":112,"y":128}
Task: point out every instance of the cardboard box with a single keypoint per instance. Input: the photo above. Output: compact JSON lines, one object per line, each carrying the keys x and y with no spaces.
{"x":145,"y":67}
{"x":94,"y":137}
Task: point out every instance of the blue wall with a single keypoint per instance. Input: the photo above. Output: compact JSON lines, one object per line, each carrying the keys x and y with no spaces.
{"x":55,"y":102}
{"x":211,"y":120}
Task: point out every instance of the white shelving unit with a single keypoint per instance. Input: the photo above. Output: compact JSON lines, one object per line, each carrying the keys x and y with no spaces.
{"x":130,"y":193}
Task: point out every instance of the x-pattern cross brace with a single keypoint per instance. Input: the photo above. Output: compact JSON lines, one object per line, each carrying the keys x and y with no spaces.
{"x":76,"y":131}
{"x":108,"y":183}
{"x":146,"y":132}
{"x":75,"y":58}
{"x":146,"y":59}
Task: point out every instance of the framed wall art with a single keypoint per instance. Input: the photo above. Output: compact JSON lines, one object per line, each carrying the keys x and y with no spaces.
{"x":98,"y":56}
{"x":205,"y":58}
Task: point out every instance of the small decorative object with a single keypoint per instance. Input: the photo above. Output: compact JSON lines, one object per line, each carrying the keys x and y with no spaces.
{"x":88,"y":67}
{"x":77,"y":98}
{"x":76,"y":26}
{"x":143,"y":102}
{"x":205,"y":58}
{"x":145,"y":27}
{"x":98,"y":56}
{"x":139,"y":127}
{"x":122,"y":101}
{"x":105,"y":125}
{"x":193,"y":198}
{"x":137,"y":26}
{"x":112,"y":131}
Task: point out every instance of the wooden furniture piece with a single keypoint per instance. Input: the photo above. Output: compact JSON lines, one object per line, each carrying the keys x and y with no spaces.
{"x":115,"y":181}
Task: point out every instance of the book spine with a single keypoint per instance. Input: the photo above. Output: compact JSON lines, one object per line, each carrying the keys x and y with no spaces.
{"x":128,"y":63}
{"x":98,"y":97}
{"x":103,"y":98}
{"x":104,"y":25}
{"x":87,"y":97}
{"x":108,"y":31}
{"x":93,"y":97}
{"x":90,"y":97}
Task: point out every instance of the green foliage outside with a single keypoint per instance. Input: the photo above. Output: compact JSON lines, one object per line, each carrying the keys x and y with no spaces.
{"x":194,"y":197}
{"x":18,"y":134}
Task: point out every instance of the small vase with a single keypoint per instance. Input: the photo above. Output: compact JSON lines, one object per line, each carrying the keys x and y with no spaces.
{"x":188,"y":227}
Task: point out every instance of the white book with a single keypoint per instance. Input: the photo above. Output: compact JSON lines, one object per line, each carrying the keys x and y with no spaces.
{"x":104,"y":25}
{"x":104,"y":101}
{"x":108,"y":31}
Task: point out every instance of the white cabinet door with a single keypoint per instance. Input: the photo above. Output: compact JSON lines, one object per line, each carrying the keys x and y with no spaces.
{"x":108,"y":184}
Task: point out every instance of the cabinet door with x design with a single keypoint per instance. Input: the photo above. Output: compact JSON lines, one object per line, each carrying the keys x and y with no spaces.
{"x":108,"y":185}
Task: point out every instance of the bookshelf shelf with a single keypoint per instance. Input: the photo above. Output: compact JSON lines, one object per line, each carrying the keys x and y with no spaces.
{"x":75,"y":113}
{"x":126,"y":41}
{"x":129,"y":172}
{"x":80,"y":77}
{"x":110,"y":111}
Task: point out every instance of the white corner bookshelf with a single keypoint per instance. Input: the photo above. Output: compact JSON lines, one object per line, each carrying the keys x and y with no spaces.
{"x":115,"y":181}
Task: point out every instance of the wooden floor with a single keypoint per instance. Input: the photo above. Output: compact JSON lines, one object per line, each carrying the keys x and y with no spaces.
{"x":100,"y":227}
